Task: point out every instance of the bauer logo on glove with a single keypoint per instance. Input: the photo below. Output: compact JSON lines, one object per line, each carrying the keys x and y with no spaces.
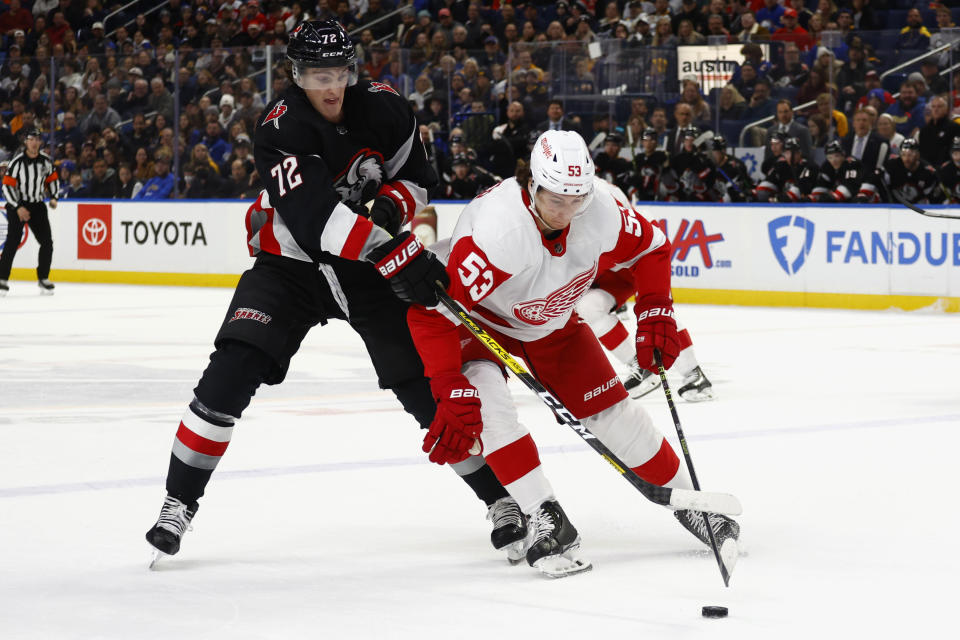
{"x":397,"y":258}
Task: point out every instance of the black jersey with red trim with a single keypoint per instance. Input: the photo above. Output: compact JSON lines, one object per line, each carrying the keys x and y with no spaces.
{"x":776,"y":180}
{"x":730,"y":181}
{"x":842,"y":184}
{"x":649,"y":176}
{"x":949,"y":174}
{"x":693,"y":173}
{"x":317,"y":172}
{"x":920,"y":185}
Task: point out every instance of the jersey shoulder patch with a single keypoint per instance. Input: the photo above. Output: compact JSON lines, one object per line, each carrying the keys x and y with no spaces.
{"x":381,"y":86}
{"x":275,"y":114}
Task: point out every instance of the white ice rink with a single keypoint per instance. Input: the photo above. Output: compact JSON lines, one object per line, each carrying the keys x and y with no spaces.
{"x":838,"y":430}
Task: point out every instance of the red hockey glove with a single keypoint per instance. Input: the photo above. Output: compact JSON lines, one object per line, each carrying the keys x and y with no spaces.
{"x":457,"y":423}
{"x":412,"y":271}
{"x":656,"y":329}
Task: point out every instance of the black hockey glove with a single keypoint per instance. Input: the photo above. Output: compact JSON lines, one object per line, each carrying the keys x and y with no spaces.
{"x":412,"y":271}
{"x":385,"y":214}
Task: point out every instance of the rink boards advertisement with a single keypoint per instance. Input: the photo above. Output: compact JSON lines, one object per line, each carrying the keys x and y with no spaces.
{"x":872,"y":257}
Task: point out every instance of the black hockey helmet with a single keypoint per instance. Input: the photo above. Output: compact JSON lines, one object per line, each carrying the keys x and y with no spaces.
{"x":615,"y":138}
{"x":719,"y":143}
{"x":649,"y":134}
{"x":776,"y":136}
{"x":461,"y":158}
{"x":910,"y":144}
{"x":30,"y":132}
{"x":691,"y":132}
{"x":955,"y":145}
{"x":791,"y":144}
{"x":318,"y":44}
{"x":834,"y":146}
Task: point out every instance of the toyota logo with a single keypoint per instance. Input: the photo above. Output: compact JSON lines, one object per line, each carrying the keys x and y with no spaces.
{"x":94,"y":232}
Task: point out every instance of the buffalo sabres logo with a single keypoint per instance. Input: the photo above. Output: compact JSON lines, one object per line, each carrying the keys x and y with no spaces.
{"x":380,"y":86}
{"x":362,"y":177}
{"x":274,"y":116}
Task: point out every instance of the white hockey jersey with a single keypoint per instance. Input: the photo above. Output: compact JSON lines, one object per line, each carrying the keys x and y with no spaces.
{"x":514,"y":279}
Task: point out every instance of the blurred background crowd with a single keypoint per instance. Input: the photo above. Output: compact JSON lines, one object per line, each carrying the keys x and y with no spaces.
{"x":834,"y":101}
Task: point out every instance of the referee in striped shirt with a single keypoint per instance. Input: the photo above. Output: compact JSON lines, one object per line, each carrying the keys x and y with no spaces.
{"x":30,"y":173}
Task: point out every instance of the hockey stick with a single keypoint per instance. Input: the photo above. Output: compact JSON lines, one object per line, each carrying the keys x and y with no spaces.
{"x":677,"y":498}
{"x":686,"y":456}
{"x":893,"y":195}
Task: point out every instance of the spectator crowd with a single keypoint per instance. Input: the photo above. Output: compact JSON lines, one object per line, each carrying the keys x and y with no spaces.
{"x":157,"y":101}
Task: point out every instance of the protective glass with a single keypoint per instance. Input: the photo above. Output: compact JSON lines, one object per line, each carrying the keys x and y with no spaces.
{"x":324,"y":77}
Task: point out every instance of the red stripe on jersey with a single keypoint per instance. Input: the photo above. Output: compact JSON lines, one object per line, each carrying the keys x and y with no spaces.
{"x":661,"y":468}
{"x":10,"y":181}
{"x":684,"y":340}
{"x":615,"y":337}
{"x":357,"y":237}
{"x":200,"y":444}
{"x":512,"y":462}
{"x":405,"y":201}
{"x":268,"y":241}
{"x":636,"y":234}
{"x":50,"y":178}
{"x":472,"y":276}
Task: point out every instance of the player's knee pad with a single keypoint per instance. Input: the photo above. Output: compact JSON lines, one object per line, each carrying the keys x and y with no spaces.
{"x":628,"y":430}
{"x":501,"y":424}
{"x":595,"y":308}
{"x":231,"y":379}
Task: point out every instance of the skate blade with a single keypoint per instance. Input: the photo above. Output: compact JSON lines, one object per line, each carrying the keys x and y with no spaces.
{"x":516,"y":552}
{"x":155,"y":559}
{"x":729,"y":554}
{"x":704,"y":395}
{"x":44,"y":292}
{"x":641,"y":390}
{"x":568,"y":563}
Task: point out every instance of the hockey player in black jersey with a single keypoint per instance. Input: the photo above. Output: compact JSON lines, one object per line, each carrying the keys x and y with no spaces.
{"x":803,"y":172}
{"x":325,"y":147}
{"x":692,"y":168}
{"x":652,"y":177}
{"x":912,"y":178}
{"x":777,"y":174}
{"x":467,"y":181}
{"x":730,"y":179}
{"x":840,"y":176}
{"x":949,"y":174}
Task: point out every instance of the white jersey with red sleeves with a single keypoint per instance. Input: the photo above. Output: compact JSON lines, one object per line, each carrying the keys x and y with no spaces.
{"x":510,"y":275}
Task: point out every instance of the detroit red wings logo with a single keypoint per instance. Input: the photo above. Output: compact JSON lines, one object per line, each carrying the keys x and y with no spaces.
{"x":274,"y":116}
{"x":380,"y":86}
{"x":556,"y":304}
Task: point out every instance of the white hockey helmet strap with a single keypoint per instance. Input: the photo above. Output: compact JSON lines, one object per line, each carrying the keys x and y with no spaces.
{"x":560,"y":163}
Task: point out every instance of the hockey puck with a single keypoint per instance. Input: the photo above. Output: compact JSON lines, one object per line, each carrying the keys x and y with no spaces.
{"x":714,"y":612}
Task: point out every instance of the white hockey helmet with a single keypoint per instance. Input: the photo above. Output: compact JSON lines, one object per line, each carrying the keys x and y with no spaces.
{"x":560,"y":163}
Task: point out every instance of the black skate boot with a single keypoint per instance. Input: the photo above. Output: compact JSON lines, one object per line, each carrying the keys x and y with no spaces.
{"x":554,"y":543}
{"x":696,"y":387}
{"x":174,"y":520}
{"x":509,"y":528}
{"x":726,"y":531}
{"x":4,"y":288}
{"x":639,"y":382}
{"x":46,"y":287}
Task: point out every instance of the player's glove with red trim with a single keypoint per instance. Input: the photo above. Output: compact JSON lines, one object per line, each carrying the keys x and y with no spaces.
{"x":457,"y":423}
{"x":412,"y":271}
{"x":656,"y":329}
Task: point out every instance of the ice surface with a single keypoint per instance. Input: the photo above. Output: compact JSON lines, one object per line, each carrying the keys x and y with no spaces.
{"x":838,"y":431}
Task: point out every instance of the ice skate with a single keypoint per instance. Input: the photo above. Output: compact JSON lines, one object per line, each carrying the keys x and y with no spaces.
{"x":639,"y":382}
{"x":726,"y":531}
{"x":554,"y":543}
{"x":46,"y":287}
{"x":4,"y":288}
{"x":174,"y":521}
{"x":509,"y":528}
{"x":696,"y":387}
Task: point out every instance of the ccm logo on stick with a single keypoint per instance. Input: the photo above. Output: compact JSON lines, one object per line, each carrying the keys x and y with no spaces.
{"x":399,"y":257}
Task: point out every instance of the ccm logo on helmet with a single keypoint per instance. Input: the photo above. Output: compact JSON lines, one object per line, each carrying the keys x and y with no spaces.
{"x":397,"y":258}
{"x":656,"y":311}
{"x":464,"y":393}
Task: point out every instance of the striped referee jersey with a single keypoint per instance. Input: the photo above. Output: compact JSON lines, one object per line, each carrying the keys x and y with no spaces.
{"x":27,"y":177}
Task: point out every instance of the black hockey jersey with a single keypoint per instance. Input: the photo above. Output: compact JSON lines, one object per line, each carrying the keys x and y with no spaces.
{"x":650,"y":181}
{"x":804,"y":180}
{"x":693,"y":173}
{"x":776,"y":180}
{"x":468,"y":187}
{"x":918,"y":186}
{"x":730,"y":181}
{"x":949,"y":175}
{"x":839,"y":185}
{"x":316,"y":173}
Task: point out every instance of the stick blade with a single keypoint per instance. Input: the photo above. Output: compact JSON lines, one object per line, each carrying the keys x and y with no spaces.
{"x":708,"y":501}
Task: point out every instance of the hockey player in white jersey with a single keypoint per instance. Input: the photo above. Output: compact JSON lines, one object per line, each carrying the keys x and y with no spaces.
{"x":598,"y":308}
{"x":521,"y":256}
